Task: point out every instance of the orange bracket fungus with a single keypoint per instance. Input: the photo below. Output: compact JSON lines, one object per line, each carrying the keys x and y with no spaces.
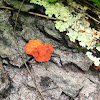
{"x":41,"y":52}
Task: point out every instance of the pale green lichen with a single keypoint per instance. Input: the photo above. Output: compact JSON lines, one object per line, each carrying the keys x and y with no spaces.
{"x":72,"y":21}
{"x":94,"y":59}
{"x":98,"y":48}
{"x":84,"y":39}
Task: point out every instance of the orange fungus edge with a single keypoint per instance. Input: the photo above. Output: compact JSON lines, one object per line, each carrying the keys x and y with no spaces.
{"x":41,"y":52}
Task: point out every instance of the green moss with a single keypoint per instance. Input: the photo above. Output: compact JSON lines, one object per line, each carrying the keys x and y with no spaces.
{"x":2,"y":27}
{"x":52,"y":0}
{"x":16,"y":4}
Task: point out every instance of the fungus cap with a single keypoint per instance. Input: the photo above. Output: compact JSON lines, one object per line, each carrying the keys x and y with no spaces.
{"x":41,"y":52}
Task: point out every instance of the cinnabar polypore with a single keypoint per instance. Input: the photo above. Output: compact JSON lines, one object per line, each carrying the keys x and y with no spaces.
{"x":41,"y":52}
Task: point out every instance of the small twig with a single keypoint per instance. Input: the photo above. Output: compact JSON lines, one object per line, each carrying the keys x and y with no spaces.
{"x":92,"y":18}
{"x":33,"y":77}
{"x":91,"y":5}
{"x":18,"y":15}
{"x":3,"y":70}
{"x":88,"y":8}
{"x":3,"y":7}
{"x":86,"y":14}
{"x":44,"y":16}
{"x":32,"y":13}
{"x":88,"y":4}
{"x":93,"y":11}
